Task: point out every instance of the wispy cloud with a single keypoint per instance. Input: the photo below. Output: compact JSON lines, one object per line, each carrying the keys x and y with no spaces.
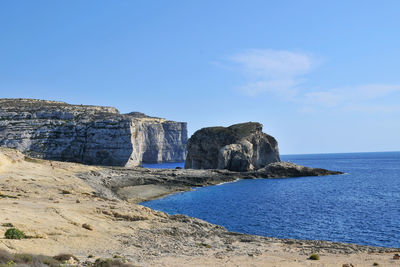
{"x":357,"y":98}
{"x":283,"y":73}
{"x":272,"y":71}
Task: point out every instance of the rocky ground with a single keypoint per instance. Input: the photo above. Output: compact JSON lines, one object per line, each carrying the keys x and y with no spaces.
{"x":79,"y":209}
{"x":141,"y":184}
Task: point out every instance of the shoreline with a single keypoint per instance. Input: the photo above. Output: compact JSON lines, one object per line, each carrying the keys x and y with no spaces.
{"x":54,"y":199}
{"x":190,"y":189}
{"x":289,"y":240}
{"x":126,"y":183}
{"x":214,"y":180}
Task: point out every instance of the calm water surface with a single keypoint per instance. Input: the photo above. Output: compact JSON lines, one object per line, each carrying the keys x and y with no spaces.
{"x":362,"y":206}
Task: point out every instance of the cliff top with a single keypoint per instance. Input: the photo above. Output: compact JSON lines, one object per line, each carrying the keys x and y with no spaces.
{"x":28,"y":105}
{"x":38,"y":103}
{"x":238,"y":131}
{"x":239,"y":147}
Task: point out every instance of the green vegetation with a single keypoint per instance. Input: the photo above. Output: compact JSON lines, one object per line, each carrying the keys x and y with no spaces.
{"x":110,"y":263}
{"x":32,"y":160}
{"x":314,"y":257}
{"x":7,"y":259}
{"x":65,"y":192}
{"x":25,"y":258}
{"x":65,"y":257}
{"x":14,"y":233}
{"x":204,"y":245}
{"x":375,"y":264}
{"x":6,"y":196}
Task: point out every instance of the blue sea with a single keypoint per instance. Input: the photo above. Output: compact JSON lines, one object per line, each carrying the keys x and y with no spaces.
{"x":361,"y":206}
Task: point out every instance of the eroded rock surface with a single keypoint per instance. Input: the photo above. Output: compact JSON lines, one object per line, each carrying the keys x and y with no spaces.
{"x":140,"y":184}
{"x":240,"y":147}
{"x":89,"y":134}
{"x":33,"y":199}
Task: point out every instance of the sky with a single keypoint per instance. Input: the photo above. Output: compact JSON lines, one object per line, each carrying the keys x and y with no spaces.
{"x":321,"y":76}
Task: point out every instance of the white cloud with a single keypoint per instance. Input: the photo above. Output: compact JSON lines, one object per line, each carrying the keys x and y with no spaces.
{"x":282,"y":73}
{"x":286,"y":88}
{"x":377,"y":90}
{"x":351,"y":96}
{"x":372,"y":109}
{"x":273,"y":63}
{"x":325,"y":98}
{"x":273,"y":71}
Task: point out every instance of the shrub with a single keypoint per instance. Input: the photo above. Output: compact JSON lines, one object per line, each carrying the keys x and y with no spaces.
{"x":6,"y":196}
{"x":110,"y":263}
{"x":65,"y":257}
{"x":204,"y":245}
{"x":65,"y":192}
{"x":22,"y":259}
{"x":25,"y":258}
{"x":14,"y":233}
{"x":5,"y":256}
{"x":47,"y":260}
{"x":314,"y":257}
{"x":10,"y":263}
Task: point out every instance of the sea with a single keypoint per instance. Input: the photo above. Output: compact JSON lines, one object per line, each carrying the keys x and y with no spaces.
{"x":361,"y":206}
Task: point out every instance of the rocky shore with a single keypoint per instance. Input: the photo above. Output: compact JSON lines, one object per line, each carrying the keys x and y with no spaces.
{"x":80,"y":209}
{"x":141,"y":184}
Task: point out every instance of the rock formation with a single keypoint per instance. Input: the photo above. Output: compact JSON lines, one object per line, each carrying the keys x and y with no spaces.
{"x":89,"y":134}
{"x":240,"y":147}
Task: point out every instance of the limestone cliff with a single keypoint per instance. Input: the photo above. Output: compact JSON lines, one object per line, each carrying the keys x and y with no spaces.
{"x":240,"y":147}
{"x":89,"y":134}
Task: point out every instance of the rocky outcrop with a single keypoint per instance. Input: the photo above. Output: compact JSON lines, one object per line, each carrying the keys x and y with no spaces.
{"x":240,"y":147}
{"x":131,"y":183}
{"x":89,"y":134}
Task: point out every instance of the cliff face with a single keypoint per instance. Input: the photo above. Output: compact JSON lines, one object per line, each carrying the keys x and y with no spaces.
{"x":240,"y":147}
{"x":89,"y":134}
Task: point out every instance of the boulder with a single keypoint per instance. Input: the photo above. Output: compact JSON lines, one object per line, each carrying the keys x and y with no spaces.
{"x":240,"y":147}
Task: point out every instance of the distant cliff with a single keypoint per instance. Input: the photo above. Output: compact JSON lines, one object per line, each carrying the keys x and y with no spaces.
{"x":240,"y":147}
{"x":89,"y":134}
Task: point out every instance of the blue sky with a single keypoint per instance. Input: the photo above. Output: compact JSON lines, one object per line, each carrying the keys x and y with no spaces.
{"x":322,"y":76}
